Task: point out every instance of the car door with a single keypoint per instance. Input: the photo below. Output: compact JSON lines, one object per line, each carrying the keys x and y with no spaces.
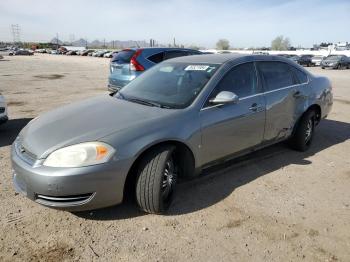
{"x":231,"y":128}
{"x":344,"y":62}
{"x":283,"y":95}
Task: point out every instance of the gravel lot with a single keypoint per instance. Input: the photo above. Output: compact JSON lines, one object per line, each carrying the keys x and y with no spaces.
{"x":276,"y":205}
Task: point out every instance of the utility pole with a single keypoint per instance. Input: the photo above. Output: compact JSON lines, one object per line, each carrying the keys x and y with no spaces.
{"x":56,"y":40}
{"x":71,"y":38}
{"x":174,"y":42}
{"x":16,"y":33}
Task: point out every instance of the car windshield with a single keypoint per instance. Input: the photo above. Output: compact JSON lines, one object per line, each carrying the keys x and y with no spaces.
{"x":334,"y":57}
{"x":169,"y":84}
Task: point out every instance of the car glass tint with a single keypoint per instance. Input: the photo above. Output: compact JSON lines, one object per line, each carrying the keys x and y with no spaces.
{"x":173,"y":54}
{"x":240,"y":80}
{"x":174,"y":85}
{"x":156,"y":58}
{"x":123,"y":56}
{"x":276,"y":75}
{"x":301,"y":76}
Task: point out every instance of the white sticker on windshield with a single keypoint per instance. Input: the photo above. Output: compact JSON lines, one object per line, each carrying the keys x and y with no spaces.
{"x":196,"y":68}
{"x":166,"y":69}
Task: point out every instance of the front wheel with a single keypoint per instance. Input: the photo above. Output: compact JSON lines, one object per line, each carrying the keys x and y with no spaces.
{"x":304,"y":132}
{"x":156,"y":181}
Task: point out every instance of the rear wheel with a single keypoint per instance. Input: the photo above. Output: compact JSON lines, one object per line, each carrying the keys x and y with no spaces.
{"x":304,"y":132}
{"x":156,"y":181}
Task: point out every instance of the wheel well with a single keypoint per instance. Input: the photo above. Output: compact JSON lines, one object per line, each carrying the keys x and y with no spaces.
{"x":183,"y":156}
{"x":313,"y":107}
{"x":317,"y":110}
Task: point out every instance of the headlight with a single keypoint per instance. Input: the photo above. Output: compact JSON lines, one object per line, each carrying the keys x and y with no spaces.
{"x":84,"y":154}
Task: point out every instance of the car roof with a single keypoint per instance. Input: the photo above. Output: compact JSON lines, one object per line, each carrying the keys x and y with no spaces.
{"x":224,"y":58}
{"x":160,"y":48}
{"x":210,"y":58}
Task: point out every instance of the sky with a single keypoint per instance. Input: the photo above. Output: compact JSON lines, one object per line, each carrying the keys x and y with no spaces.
{"x":249,"y":23}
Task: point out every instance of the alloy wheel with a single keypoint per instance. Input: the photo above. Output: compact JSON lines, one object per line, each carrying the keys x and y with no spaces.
{"x":169,"y":179}
{"x":309,"y":130}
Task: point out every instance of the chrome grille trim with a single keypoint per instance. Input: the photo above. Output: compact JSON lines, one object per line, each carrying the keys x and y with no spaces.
{"x":64,"y":200}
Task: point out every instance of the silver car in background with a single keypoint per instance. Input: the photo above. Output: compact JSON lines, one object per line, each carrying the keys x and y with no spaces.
{"x":178,"y":118}
{"x":3,"y":110}
{"x":317,"y":59}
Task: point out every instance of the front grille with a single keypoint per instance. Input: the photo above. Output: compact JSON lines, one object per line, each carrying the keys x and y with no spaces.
{"x":2,"y":110}
{"x":63,"y":200}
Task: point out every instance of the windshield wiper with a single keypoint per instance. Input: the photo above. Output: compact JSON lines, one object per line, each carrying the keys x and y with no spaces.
{"x":142,"y":101}
{"x":148,"y":103}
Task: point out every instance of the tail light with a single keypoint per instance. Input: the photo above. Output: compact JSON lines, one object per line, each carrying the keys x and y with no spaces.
{"x":134,"y":65}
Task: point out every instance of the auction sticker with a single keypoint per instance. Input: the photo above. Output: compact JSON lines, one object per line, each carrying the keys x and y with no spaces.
{"x":196,"y":68}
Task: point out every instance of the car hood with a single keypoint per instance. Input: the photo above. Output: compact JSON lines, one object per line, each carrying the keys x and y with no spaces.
{"x":330,"y":61}
{"x":88,"y":120}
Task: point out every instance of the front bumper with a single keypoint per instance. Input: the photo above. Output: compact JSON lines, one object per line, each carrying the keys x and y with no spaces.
{"x":113,"y":88}
{"x":334,"y":66}
{"x":72,"y":189}
{"x":3,"y":119}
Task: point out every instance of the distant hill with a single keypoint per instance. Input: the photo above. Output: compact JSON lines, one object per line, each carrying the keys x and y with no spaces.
{"x":54,"y":41}
{"x":101,"y":44}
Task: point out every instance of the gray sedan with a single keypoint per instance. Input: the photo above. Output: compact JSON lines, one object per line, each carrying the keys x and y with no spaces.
{"x":175,"y":120}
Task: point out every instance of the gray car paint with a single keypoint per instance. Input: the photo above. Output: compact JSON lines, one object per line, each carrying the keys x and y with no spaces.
{"x":211,"y":133}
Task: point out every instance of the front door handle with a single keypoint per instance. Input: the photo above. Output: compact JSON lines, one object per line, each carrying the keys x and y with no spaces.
{"x":297,"y":94}
{"x":254,"y":107}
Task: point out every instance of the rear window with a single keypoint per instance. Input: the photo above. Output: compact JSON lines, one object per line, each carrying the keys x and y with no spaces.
{"x":276,"y":75}
{"x":174,"y":54}
{"x":156,"y":58}
{"x":123,"y":56}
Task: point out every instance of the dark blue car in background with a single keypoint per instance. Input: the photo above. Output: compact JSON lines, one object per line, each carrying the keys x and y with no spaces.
{"x":127,"y":64}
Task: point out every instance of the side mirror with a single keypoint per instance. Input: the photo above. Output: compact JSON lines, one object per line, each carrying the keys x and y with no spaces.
{"x":225,"y":97}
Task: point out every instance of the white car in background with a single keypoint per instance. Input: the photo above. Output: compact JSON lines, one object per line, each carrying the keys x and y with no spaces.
{"x":316,"y":60}
{"x":110,"y":54}
{"x":3,"y":110}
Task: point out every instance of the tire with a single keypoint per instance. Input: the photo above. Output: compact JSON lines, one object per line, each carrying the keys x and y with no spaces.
{"x":156,"y":180}
{"x":304,"y":132}
{"x":322,"y":67}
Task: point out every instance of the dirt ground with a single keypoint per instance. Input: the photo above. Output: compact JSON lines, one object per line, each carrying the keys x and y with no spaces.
{"x":276,"y":205}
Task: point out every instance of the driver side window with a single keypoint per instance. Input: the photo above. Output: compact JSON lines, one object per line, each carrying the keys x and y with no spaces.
{"x":240,"y":80}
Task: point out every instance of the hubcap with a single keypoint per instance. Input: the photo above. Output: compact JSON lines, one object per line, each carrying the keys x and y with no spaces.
{"x":169,"y":178}
{"x":308,"y":132}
